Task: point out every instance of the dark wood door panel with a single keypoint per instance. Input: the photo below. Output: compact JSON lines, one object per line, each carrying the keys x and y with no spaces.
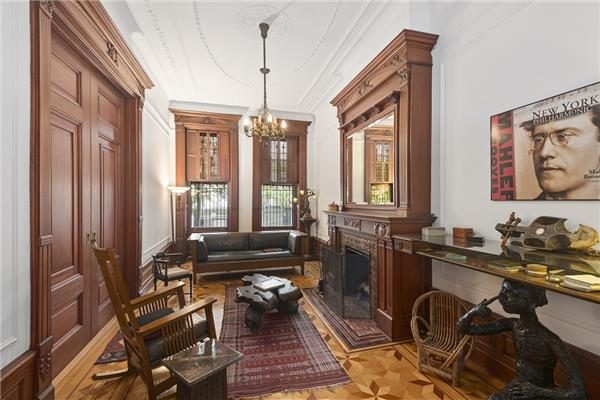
{"x":107,"y":122}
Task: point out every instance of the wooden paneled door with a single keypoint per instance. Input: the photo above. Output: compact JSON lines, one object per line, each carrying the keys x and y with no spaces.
{"x":107,"y":122}
{"x":85,"y":178}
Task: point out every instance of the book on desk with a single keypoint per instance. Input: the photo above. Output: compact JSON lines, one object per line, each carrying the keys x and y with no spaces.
{"x":269,"y":284}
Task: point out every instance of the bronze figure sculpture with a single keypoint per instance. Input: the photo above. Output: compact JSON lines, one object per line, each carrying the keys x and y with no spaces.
{"x":538,"y":349}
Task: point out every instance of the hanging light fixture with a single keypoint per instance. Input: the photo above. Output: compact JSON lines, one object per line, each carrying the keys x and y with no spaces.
{"x":264,"y":126}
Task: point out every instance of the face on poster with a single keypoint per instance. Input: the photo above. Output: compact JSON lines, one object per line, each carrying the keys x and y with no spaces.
{"x":548,"y":150}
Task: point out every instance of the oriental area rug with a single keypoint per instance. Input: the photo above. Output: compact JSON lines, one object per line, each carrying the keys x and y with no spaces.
{"x":287,"y":353}
{"x":353,"y":333}
{"x":114,"y":350}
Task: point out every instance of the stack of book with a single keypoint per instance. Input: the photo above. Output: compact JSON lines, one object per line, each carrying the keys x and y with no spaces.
{"x":586,"y":283}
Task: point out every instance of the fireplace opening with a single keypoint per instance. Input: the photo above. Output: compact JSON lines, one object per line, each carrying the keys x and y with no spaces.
{"x":346,"y":284}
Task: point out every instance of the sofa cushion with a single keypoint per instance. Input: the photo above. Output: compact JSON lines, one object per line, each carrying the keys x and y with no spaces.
{"x":221,"y":256}
{"x":265,"y":240}
{"x":226,"y":241}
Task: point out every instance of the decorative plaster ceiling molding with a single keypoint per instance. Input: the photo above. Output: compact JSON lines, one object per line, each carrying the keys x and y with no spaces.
{"x":247,"y":21}
{"x":207,"y":107}
{"x":338,"y":58}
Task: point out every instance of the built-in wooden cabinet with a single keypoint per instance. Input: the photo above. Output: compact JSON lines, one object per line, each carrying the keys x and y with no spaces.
{"x":385,"y":154}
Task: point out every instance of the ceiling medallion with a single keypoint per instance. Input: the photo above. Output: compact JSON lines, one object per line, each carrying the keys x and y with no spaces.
{"x":264,"y":126}
{"x":249,"y":17}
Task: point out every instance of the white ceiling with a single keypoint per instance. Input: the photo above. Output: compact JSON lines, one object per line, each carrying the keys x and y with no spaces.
{"x":211,"y":52}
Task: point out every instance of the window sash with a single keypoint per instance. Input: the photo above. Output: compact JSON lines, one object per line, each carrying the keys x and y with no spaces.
{"x":209,"y":205}
{"x":277,"y":206}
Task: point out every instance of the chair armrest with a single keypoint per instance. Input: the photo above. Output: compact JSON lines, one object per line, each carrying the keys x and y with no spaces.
{"x":160,"y":323}
{"x":157,"y":294}
{"x":199,"y":249}
{"x":296,"y":242}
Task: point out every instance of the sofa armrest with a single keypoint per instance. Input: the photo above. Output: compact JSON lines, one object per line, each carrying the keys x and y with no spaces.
{"x":297,"y":242}
{"x":199,"y":249}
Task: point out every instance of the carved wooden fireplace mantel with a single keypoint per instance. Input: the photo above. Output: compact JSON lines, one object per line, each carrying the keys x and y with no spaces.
{"x":397,"y":278}
{"x":385,"y":162}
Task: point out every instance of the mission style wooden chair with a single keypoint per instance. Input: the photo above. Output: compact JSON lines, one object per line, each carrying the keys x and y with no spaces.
{"x":152,"y":329}
{"x":440,"y":348}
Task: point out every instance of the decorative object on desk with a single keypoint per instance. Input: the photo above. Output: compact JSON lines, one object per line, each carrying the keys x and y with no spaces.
{"x":306,"y":218}
{"x":550,"y":233}
{"x":462,"y":232}
{"x":303,"y":200}
{"x":476,"y":240}
{"x":433,"y":231}
{"x":304,"y":362}
{"x":507,"y":265}
{"x":537,"y":269}
{"x":568,"y":125}
{"x":538,"y":349}
{"x":456,"y":257}
{"x":332,"y":206}
{"x":586,"y":282}
{"x":441,"y":349}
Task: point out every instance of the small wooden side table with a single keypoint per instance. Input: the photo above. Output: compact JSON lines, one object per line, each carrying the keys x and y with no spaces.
{"x":201,"y":371}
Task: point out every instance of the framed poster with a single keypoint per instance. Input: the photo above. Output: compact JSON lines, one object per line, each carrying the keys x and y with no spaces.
{"x":548,"y":150}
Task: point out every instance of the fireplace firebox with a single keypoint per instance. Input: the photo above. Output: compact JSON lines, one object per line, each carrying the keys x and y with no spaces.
{"x":346,"y":283}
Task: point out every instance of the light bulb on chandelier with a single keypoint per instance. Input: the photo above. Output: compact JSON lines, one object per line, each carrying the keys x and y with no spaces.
{"x":264,"y":126}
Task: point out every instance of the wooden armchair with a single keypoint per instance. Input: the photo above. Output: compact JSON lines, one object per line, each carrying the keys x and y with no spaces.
{"x":166,"y":267}
{"x":152,"y":329}
{"x":440,"y":348}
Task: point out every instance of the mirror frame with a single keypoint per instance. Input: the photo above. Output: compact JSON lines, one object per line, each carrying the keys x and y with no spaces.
{"x":390,"y":105}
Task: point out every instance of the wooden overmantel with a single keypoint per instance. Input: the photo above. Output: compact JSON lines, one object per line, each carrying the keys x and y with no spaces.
{"x":398,"y":80}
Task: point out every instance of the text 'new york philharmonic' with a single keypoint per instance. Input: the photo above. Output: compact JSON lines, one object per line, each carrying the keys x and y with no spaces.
{"x":565,"y":110}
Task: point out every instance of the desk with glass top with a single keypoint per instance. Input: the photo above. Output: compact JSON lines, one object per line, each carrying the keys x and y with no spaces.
{"x":479,"y":258}
{"x":201,"y":370}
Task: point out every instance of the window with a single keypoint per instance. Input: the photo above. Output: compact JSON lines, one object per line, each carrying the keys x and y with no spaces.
{"x":207,"y":161}
{"x":277,"y":205}
{"x":279,"y":172}
{"x":209,"y":205}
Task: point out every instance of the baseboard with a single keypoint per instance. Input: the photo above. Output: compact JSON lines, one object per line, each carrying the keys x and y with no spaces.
{"x":16,"y":379}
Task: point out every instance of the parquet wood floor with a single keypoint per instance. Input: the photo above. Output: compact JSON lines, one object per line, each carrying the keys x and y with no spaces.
{"x":383,"y":373}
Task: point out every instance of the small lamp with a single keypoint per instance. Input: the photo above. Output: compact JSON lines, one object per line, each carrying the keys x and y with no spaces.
{"x":177,"y":191}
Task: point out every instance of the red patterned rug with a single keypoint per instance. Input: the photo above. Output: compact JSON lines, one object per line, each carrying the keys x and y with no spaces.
{"x":114,"y":350}
{"x":287,"y":353}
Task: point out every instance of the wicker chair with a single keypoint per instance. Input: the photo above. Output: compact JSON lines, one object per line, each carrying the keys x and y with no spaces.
{"x":440,"y":348}
{"x":151,"y":328}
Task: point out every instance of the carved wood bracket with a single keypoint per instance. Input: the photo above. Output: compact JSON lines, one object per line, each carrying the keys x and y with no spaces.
{"x":112,"y":52}
{"x":382,"y":229}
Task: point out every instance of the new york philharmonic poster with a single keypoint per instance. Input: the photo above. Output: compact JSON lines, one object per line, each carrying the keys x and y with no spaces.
{"x":548,"y":150}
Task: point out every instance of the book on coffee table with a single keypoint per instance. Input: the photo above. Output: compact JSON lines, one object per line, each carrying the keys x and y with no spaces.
{"x":269,"y":284}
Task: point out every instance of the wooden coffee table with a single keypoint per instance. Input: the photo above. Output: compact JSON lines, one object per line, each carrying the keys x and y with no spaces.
{"x":284,"y":299}
{"x":201,"y":370}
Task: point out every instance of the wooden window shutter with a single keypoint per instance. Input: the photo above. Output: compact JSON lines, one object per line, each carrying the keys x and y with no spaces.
{"x":265,"y":164}
{"x":292,"y":162}
{"x":193,"y":155}
{"x":223,"y":151}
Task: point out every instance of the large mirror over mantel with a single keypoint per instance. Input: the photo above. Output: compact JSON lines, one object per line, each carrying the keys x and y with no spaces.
{"x":369,"y":162}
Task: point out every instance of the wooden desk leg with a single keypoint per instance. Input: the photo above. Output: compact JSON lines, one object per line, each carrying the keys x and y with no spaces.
{"x":211,"y":388}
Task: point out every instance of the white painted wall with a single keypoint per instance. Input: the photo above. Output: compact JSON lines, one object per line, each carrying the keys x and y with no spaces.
{"x":14,"y":164}
{"x":384,"y":22}
{"x":492,"y":57}
{"x":158,"y":163}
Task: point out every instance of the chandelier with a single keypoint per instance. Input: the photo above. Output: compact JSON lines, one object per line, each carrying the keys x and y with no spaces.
{"x":264,"y":126}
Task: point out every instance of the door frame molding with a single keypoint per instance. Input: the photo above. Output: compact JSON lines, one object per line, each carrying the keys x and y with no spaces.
{"x":86,"y":27}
